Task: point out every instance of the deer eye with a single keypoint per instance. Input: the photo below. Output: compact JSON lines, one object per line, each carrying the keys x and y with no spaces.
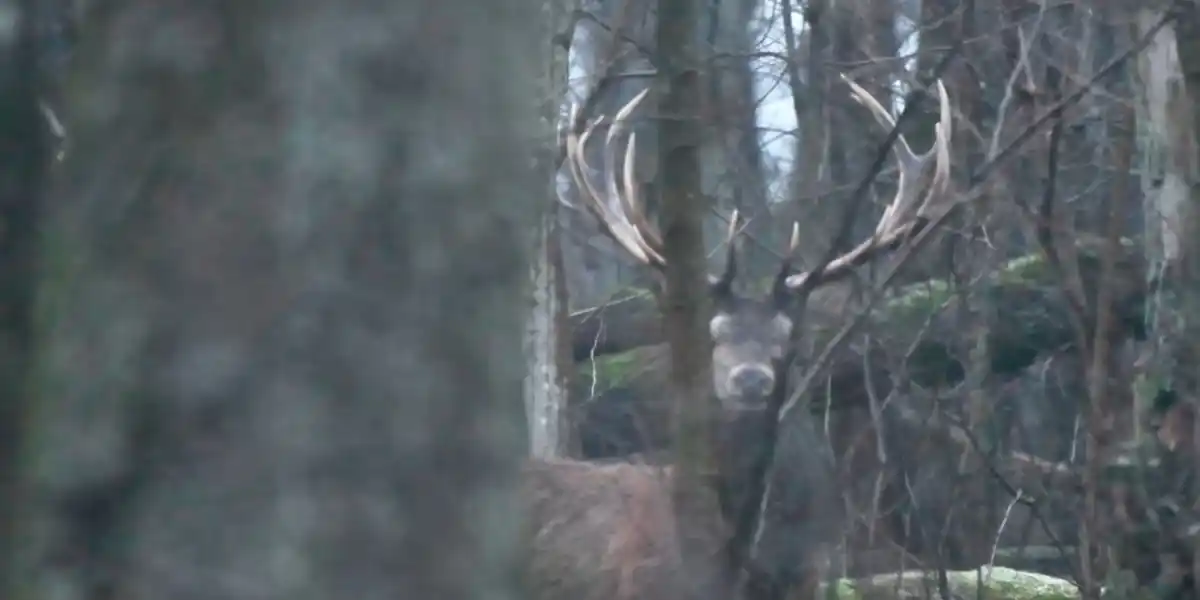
{"x":720,"y":326}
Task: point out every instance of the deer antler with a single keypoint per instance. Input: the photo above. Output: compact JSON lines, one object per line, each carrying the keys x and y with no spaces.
{"x":619,"y":207}
{"x":621,"y":213}
{"x":914,"y":202}
{"x":912,"y":165}
{"x":610,"y":207}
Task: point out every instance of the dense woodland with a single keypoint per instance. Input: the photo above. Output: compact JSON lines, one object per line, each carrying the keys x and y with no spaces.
{"x":599,"y":299}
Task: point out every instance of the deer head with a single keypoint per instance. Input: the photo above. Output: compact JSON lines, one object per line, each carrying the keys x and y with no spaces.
{"x":752,"y":335}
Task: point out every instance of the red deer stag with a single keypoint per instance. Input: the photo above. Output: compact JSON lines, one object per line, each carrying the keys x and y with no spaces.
{"x":604,"y":532}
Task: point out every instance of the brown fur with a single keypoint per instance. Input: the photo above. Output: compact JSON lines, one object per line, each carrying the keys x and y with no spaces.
{"x":603,"y":532}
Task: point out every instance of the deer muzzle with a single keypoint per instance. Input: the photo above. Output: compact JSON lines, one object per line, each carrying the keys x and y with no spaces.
{"x":752,"y":382}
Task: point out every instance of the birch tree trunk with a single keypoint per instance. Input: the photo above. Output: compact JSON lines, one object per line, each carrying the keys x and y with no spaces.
{"x":547,"y":333}
{"x":1169,"y":170}
{"x":1169,"y":145}
{"x":280,"y":317}
{"x":1167,"y":105}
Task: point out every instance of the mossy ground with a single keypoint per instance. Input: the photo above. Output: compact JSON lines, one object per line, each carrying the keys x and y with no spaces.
{"x":998,"y":583}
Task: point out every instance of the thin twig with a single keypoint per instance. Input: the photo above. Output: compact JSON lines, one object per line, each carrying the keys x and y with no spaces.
{"x":925,"y":232}
{"x":1057,"y":110}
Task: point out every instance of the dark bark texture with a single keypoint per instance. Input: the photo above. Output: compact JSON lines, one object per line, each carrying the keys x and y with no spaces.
{"x":280,"y":320}
{"x":23,"y":161}
{"x":685,"y":294}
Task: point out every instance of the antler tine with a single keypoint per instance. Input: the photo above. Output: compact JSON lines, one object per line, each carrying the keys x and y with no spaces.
{"x":631,"y":199}
{"x":735,"y":222}
{"x":780,"y":288}
{"x":609,"y":208}
{"x":943,"y":134}
{"x":578,"y":167}
{"x":882,"y":116}
{"x":627,"y":205}
{"x":793,"y":244}
{"x":909,"y":201}
{"x":729,"y":272}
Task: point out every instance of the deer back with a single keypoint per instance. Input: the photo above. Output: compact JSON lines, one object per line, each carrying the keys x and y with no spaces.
{"x":603,"y":531}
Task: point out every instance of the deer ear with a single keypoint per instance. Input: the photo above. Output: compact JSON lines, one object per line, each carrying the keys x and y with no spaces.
{"x":718,"y":326}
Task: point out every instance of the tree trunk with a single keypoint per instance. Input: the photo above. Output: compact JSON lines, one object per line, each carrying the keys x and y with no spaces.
{"x":281,"y":311}
{"x":1170,"y":146}
{"x":23,"y":160}
{"x":732,"y":152}
{"x":547,"y":333}
{"x":1182,"y":201}
{"x":685,"y":298}
{"x":810,"y":180}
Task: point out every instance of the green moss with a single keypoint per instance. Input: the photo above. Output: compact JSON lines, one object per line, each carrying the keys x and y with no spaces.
{"x":1148,"y":391}
{"x":1024,"y":269}
{"x":999,"y":583}
{"x":846,"y":590}
{"x":1009,"y":584}
{"x":616,"y":370}
{"x":916,"y":302}
{"x":61,"y":262}
{"x":59,"y":258}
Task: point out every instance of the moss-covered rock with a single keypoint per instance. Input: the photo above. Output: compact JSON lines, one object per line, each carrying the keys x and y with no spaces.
{"x":997,"y":583}
{"x":617,"y":370}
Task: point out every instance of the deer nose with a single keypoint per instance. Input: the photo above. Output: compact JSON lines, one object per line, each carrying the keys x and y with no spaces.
{"x":752,"y":380}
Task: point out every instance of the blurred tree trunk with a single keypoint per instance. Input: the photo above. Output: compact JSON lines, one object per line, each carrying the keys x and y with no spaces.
{"x":685,"y":299}
{"x":280,"y":318}
{"x":23,"y":159}
{"x":547,"y":332}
